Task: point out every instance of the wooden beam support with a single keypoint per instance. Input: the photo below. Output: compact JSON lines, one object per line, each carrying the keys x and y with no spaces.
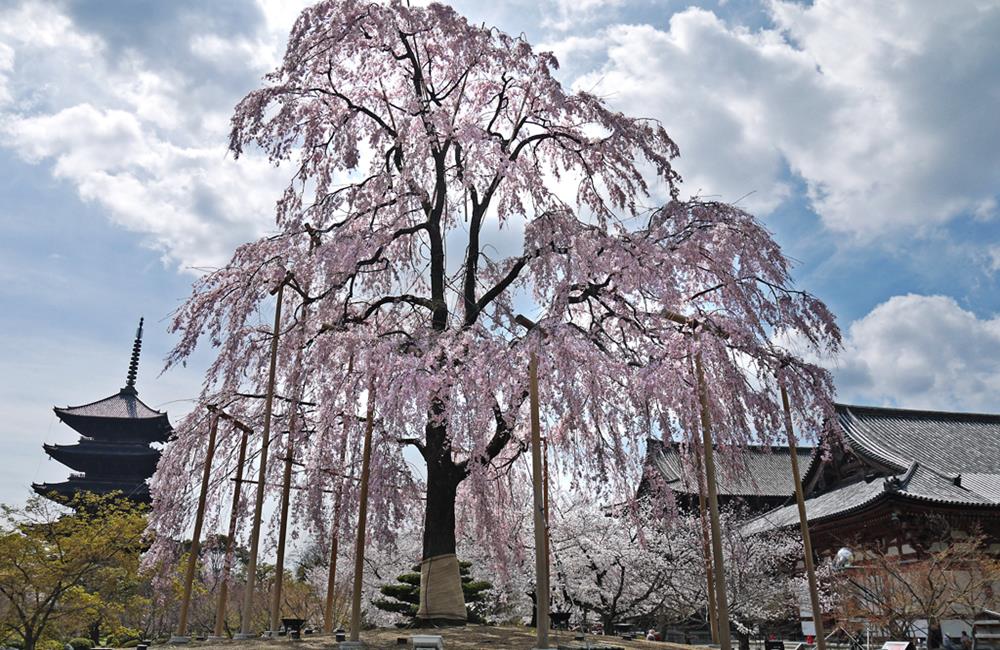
{"x":721,"y":598}
{"x":227,"y":563}
{"x":262,"y":473}
{"x":286,"y":484}
{"x":359,"y":548}
{"x":807,"y":550}
{"x":538,"y":493}
{"x":180,"y":636}
{"x":331,"y":577}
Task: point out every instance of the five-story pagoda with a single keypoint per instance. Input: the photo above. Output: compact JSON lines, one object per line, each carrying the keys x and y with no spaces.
{"x":114,"y":452}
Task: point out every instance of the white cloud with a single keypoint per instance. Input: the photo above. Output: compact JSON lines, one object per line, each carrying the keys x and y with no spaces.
{"x":881,"y":109}
{"x":922,"y":352}
{"x":993,"y":258}
{"x":563,"y":15}
{"x":6,"y":65}
{"x":194,"y":203}
{"x":884,"y":109}
{"x":142,"y":140}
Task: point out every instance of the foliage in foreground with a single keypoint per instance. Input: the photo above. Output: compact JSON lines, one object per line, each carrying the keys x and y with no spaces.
{"x":64,"y":570}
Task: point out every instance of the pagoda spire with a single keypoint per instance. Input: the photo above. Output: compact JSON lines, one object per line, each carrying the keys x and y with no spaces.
{"x":133,"y":366}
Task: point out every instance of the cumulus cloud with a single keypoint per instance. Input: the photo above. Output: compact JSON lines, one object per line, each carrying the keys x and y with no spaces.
{"x":884,"y":110}
{"x":565,"y":14}
{"x":142,"y":138}
{"x":6,"y":65}
{"x":922,"y":352}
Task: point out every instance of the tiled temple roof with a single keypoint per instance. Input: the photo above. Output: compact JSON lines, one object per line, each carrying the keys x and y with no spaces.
{"x":952,"y":443}
{"x":936,"y":458}
{"x":756,"y":470}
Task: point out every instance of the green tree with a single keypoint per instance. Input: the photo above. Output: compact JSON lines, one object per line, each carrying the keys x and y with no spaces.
{"x":403,"y":597}
{"x":61,"y":570}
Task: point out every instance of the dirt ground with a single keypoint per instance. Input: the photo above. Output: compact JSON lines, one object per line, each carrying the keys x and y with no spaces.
{"x":472,"y":637}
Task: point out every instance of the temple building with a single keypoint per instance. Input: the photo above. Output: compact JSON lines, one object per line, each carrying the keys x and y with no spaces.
{"x":757,"y":478}
{"x":895,"y":474}
{"x":114,"y":452}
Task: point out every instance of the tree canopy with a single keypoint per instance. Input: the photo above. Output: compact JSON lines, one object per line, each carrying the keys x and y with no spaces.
{"x":59,"y":569}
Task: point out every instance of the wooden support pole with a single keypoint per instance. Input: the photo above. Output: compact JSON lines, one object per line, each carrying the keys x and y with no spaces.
{"x":817,"y":613}
{"x":279,"y":567}
{"x":545,"y":505}
{"x":286,"y":485}
{"x":182,"y":622}
{"x":706,"y":549}
{"x":541,"y":544}
{"x":359,"y":548}
{"x":722,"y":600}
{"x":331,"y":578}
{"x":227,"y":563}
{"x":265,"y":441}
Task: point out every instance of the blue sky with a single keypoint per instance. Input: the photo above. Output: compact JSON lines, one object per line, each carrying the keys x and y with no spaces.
{"x":864,"y":134}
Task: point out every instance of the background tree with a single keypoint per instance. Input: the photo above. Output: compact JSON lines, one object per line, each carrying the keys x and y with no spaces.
{"x":946,"y":578}
{"x":57,"y":567}
{"x":626,"y":566}
{"x":606,"y":565}
{"x":443,"y":181}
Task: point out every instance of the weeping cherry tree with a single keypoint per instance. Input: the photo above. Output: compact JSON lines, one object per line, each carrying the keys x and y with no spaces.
{"x":442,"y":182}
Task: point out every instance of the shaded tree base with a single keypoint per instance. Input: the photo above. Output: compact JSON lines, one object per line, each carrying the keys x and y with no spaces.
{"x":435,"y":622}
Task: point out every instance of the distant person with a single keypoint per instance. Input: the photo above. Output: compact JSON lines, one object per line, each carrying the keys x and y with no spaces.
{"x":651,"y":635}
{"x":966,"y":641}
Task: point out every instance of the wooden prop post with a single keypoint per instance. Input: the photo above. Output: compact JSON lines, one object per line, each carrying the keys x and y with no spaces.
{"x":181,"y":635}
{"x":359,"y":549}
{"x":227,"y":563}
{"x":286,"y":488}
{"x":545,"y":505}
{"x":279,"y":566}
{"x":817,"y":613}
{"x":540,"y":497}
{"x":706,"y":549}
{"x":331,"y":578}
{"x":722,"y":601}
{"x":541,"y":544}
{"x":262,"y":473}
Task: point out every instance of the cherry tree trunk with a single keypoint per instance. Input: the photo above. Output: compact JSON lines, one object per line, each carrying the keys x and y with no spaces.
{"x":441,"y":597}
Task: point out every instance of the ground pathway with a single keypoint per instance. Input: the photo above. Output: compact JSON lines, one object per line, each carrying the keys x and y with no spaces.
{"x":472,"y":637}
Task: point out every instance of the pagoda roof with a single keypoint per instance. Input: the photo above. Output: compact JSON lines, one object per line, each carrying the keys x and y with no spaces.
{"x":136,"y":490}
{"x":751,"y":471}
{"x":125,"y":404}
{"x":119,"y":416}
{"x":106,"y":458}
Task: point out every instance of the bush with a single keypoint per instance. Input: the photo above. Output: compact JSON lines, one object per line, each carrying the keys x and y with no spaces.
{"x":81,"y":643}
{"x":50,"y":644}
{"x":122,"y":636}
